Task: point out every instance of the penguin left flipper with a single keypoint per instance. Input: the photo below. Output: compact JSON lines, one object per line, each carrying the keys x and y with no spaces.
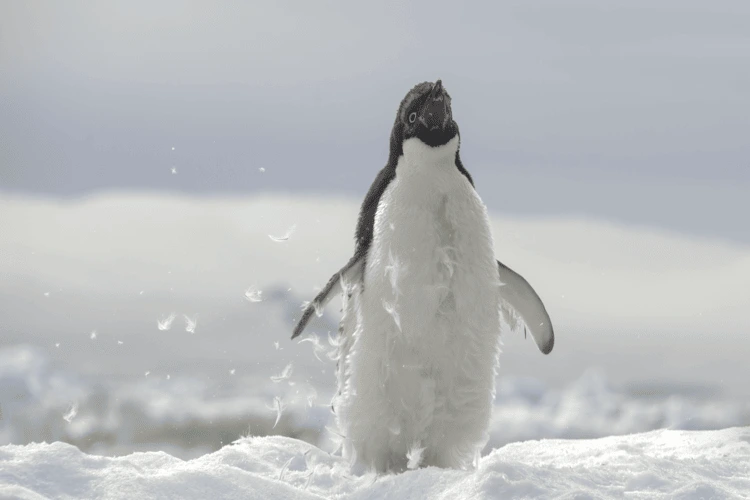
{"x":519,"y":296}
{"x":352,"y":271}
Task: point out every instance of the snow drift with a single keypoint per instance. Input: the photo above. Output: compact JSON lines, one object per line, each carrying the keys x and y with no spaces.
{"x":661,"y":464}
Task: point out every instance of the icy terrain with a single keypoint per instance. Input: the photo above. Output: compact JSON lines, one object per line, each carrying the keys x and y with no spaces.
{"x":661,"y":464}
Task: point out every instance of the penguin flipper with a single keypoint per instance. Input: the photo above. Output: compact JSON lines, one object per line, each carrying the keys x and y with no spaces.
{"x":518,"y":295}
{"x":352,"y":270}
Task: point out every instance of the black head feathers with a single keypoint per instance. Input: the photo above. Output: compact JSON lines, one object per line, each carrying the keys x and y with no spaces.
{"x":424,"y":113}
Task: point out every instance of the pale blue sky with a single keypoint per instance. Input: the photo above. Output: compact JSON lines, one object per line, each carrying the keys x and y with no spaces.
{"x":636,"y":112}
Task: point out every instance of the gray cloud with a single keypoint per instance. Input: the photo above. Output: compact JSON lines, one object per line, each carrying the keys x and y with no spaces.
{"x":599,"y":96}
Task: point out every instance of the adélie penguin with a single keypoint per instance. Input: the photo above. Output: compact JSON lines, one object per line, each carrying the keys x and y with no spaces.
{"x":423,"y":295}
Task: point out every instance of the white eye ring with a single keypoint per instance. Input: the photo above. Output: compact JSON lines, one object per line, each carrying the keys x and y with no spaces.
{"x":412,"y":117}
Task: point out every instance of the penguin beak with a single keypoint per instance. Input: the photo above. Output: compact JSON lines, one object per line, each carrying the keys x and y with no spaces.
{"x":436,"y":112}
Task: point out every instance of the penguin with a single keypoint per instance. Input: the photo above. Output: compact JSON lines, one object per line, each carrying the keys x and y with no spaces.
{"x":423,"y":295}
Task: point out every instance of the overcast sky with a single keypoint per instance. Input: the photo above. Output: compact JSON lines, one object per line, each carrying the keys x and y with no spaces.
{"x":633,"y":111}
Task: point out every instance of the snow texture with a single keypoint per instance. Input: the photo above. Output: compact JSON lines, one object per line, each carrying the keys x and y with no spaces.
{"x":663,"y":464}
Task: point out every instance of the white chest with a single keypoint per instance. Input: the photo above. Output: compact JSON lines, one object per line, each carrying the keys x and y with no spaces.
{"x":432,"y":254}
{"x":424,"y":329}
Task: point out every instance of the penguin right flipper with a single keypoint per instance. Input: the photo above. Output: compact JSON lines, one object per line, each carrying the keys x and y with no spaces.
{"x":518,"y":294}
{"x":352,"y":271}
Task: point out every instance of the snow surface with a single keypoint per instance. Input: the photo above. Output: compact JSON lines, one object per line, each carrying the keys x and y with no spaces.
{"x":660,"y":464}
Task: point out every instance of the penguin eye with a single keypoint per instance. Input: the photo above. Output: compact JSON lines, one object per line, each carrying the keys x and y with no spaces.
{"x":412,"y":117}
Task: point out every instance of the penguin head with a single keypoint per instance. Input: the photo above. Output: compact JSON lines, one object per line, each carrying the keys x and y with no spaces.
{"x":425,"y":113}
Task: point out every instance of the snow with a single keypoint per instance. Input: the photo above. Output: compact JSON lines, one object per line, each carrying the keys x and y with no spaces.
{"x":664,"y":464}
